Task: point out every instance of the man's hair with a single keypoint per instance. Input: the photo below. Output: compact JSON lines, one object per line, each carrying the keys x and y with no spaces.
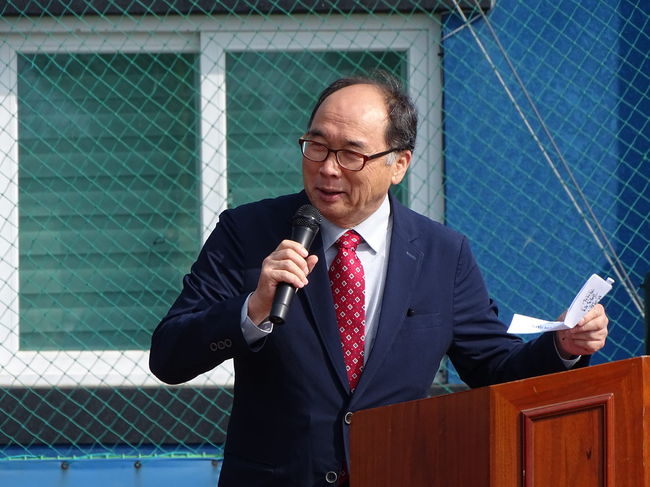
{"x":401,"y":131}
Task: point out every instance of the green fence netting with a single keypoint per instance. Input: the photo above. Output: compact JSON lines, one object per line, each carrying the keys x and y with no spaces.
{"x":127,"y":127}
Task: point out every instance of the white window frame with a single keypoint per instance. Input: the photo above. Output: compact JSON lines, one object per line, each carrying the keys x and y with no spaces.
{"x":212,"y":38}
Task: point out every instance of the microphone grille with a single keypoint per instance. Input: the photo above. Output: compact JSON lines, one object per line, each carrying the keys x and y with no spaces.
{"x":307,"y":216}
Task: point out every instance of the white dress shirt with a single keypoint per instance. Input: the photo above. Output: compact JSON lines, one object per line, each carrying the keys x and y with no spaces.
{"x":373,"y":254}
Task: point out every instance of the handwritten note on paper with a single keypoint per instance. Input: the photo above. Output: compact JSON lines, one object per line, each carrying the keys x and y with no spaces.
{"x":591,"y":293}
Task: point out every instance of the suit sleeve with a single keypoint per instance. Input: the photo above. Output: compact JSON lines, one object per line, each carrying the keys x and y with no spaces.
{"x":482,"y":352}
{"x":203,"y":326}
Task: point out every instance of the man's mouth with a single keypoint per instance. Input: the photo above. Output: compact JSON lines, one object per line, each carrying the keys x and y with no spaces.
{"x":329,"y":191}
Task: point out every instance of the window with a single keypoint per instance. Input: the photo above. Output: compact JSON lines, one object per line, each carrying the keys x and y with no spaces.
{"x":269,"y":98}
{"x":108,"y":200}
{"x":122,"y":144}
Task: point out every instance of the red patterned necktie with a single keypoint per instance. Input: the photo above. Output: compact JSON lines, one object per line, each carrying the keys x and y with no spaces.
{"x":348,"y":290}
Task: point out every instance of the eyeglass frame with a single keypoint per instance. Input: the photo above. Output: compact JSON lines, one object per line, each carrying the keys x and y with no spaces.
{"x":365,"y":158}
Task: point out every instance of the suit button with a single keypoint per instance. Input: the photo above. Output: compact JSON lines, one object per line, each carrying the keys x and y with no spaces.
{"x":331,"y":477}
{"x":213,"y":346}
{"x":348,"y":417}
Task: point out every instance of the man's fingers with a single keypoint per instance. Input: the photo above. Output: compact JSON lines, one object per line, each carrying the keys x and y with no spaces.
{"x":595,"y":318}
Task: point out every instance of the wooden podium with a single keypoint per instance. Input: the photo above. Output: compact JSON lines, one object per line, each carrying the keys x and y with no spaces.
{"x":582,"y":428}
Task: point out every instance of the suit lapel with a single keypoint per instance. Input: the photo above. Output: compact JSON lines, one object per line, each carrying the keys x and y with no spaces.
{"x":404,"y":262}
{"x":318,"y":299}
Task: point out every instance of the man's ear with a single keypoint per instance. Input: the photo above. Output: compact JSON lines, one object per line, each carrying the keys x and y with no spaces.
{"x":400,"y":166}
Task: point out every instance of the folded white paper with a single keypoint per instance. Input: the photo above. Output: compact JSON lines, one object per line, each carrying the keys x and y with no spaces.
{"x":591,"y":293}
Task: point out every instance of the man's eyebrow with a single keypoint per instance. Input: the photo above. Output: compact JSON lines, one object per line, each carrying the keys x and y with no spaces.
{"x":349,"y":143}
{"x":356,"y":144}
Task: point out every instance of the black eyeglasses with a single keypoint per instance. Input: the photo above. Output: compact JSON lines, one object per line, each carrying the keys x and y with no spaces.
{"x":347,"y":159}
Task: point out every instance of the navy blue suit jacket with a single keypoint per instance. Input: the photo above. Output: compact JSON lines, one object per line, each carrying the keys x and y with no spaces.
{"x":287,"y":424}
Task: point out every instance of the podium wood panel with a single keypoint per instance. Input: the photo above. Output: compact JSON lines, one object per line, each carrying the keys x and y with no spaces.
{"x":581,"y":428}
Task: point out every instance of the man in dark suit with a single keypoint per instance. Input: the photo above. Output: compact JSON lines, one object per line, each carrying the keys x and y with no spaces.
{"x":421,"y":297}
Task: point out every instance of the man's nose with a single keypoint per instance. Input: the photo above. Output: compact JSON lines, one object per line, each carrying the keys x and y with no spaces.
{"x":330,"y":165}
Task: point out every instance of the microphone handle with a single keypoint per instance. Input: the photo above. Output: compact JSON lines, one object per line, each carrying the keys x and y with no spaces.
{"x":281,"y":302}
{"x":284,"y":292}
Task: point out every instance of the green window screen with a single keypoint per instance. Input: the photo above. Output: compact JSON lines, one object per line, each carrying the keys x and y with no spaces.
{"x":108,"y":195}
{"x":269,"y":96}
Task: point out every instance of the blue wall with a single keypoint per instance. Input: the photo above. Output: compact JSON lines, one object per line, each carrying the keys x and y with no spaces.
{"x":101,"y":468}
{"x":585,"y":70}
{"x":153,"y":472}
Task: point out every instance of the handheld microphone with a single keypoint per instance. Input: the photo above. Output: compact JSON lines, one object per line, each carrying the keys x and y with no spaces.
{"x":304,"y":227}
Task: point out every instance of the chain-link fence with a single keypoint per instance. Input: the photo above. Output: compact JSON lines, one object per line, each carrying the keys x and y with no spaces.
{"x":127,"y":127}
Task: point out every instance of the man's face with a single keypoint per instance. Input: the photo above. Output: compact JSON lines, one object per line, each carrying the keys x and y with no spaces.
{"x":351,"y":118}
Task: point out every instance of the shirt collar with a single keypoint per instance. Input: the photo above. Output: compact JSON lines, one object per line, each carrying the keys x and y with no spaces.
{"x":373,"y":229}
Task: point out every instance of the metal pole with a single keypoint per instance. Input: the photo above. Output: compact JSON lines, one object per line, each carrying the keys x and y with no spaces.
{"x":646,"y":287}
